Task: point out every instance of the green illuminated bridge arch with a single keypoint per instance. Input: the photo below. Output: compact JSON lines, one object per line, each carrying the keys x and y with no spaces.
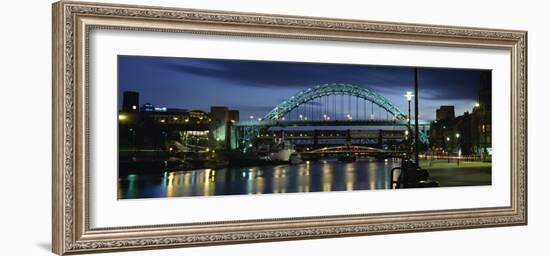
{"x":333,"y":89}
{"x":275,"y":117}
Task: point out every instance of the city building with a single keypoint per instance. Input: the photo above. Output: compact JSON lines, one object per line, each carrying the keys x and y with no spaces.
{"x":147,"y":107}
{"x":445,"y":113}
{"x":470,"y":133}
{"x":233,"y":116}
{"x":198,"y":116}
{"x":130,"y":101}
{"x":218,"y":126}
{"x":221,"y":120}
{"x":162,"y":128}
{"x":481,"y":118}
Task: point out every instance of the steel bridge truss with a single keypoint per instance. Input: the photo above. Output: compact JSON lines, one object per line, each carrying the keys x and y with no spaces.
{"x":333,"y":89}
{"x":251,"y":129}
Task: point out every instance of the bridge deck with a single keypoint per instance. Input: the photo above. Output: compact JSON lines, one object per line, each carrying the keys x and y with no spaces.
{"x":283,"y":123}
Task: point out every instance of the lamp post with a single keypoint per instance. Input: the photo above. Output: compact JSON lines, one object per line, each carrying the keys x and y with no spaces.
{"x":448,"y":151}
{"x":416,"y":129}
{"x":457,"y":149}
{"x":409,"y":95}
{"x":479,"y":129}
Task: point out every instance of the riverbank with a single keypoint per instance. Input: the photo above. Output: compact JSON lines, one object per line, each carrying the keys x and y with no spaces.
{"x":465,"y":173}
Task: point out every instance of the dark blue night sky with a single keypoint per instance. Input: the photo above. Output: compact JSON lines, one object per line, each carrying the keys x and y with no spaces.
{"x":255,"y":87}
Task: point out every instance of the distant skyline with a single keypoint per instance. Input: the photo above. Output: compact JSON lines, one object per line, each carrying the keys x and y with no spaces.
{"x":256,"y":87}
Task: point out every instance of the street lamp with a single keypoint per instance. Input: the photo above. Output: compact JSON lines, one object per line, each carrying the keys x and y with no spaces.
{"x":409,"y":95}
{"x":457,"y":149}
{"x":481,"y":130}
{"x":448,"y":151}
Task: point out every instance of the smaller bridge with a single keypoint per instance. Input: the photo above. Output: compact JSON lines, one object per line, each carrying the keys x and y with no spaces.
{"x":352,"y":150}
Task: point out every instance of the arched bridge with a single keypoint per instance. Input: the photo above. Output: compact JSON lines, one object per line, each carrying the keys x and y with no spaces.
{"x":333,"y":89}
{"x":352,"y":150}
{"x":333,"y":104}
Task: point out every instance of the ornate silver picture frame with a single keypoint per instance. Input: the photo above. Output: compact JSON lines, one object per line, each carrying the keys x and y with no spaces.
{"x":74,"y":21}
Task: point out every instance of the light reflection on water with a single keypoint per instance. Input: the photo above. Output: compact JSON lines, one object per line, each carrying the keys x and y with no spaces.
{"x":315,"y":176}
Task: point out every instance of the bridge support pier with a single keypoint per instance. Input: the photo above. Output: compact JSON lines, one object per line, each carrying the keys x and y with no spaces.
{"x":315,"y":137}
{"x":380,"y":142}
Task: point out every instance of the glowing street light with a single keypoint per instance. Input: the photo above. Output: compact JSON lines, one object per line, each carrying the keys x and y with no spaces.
{"x":122,"y":117}
{"x":251,"y":117}
{"x":409,"y":95}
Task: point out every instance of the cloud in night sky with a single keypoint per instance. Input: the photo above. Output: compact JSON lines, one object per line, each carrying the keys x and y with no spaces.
{"x":255,"y":87}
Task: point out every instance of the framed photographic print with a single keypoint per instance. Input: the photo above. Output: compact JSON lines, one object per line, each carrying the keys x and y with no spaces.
{"x":178,"y":127}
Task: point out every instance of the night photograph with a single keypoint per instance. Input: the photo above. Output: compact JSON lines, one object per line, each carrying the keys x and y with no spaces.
{"x":215,"y":127}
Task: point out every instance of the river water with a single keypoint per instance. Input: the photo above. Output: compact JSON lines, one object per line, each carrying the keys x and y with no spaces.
{"x":314,"y":176}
